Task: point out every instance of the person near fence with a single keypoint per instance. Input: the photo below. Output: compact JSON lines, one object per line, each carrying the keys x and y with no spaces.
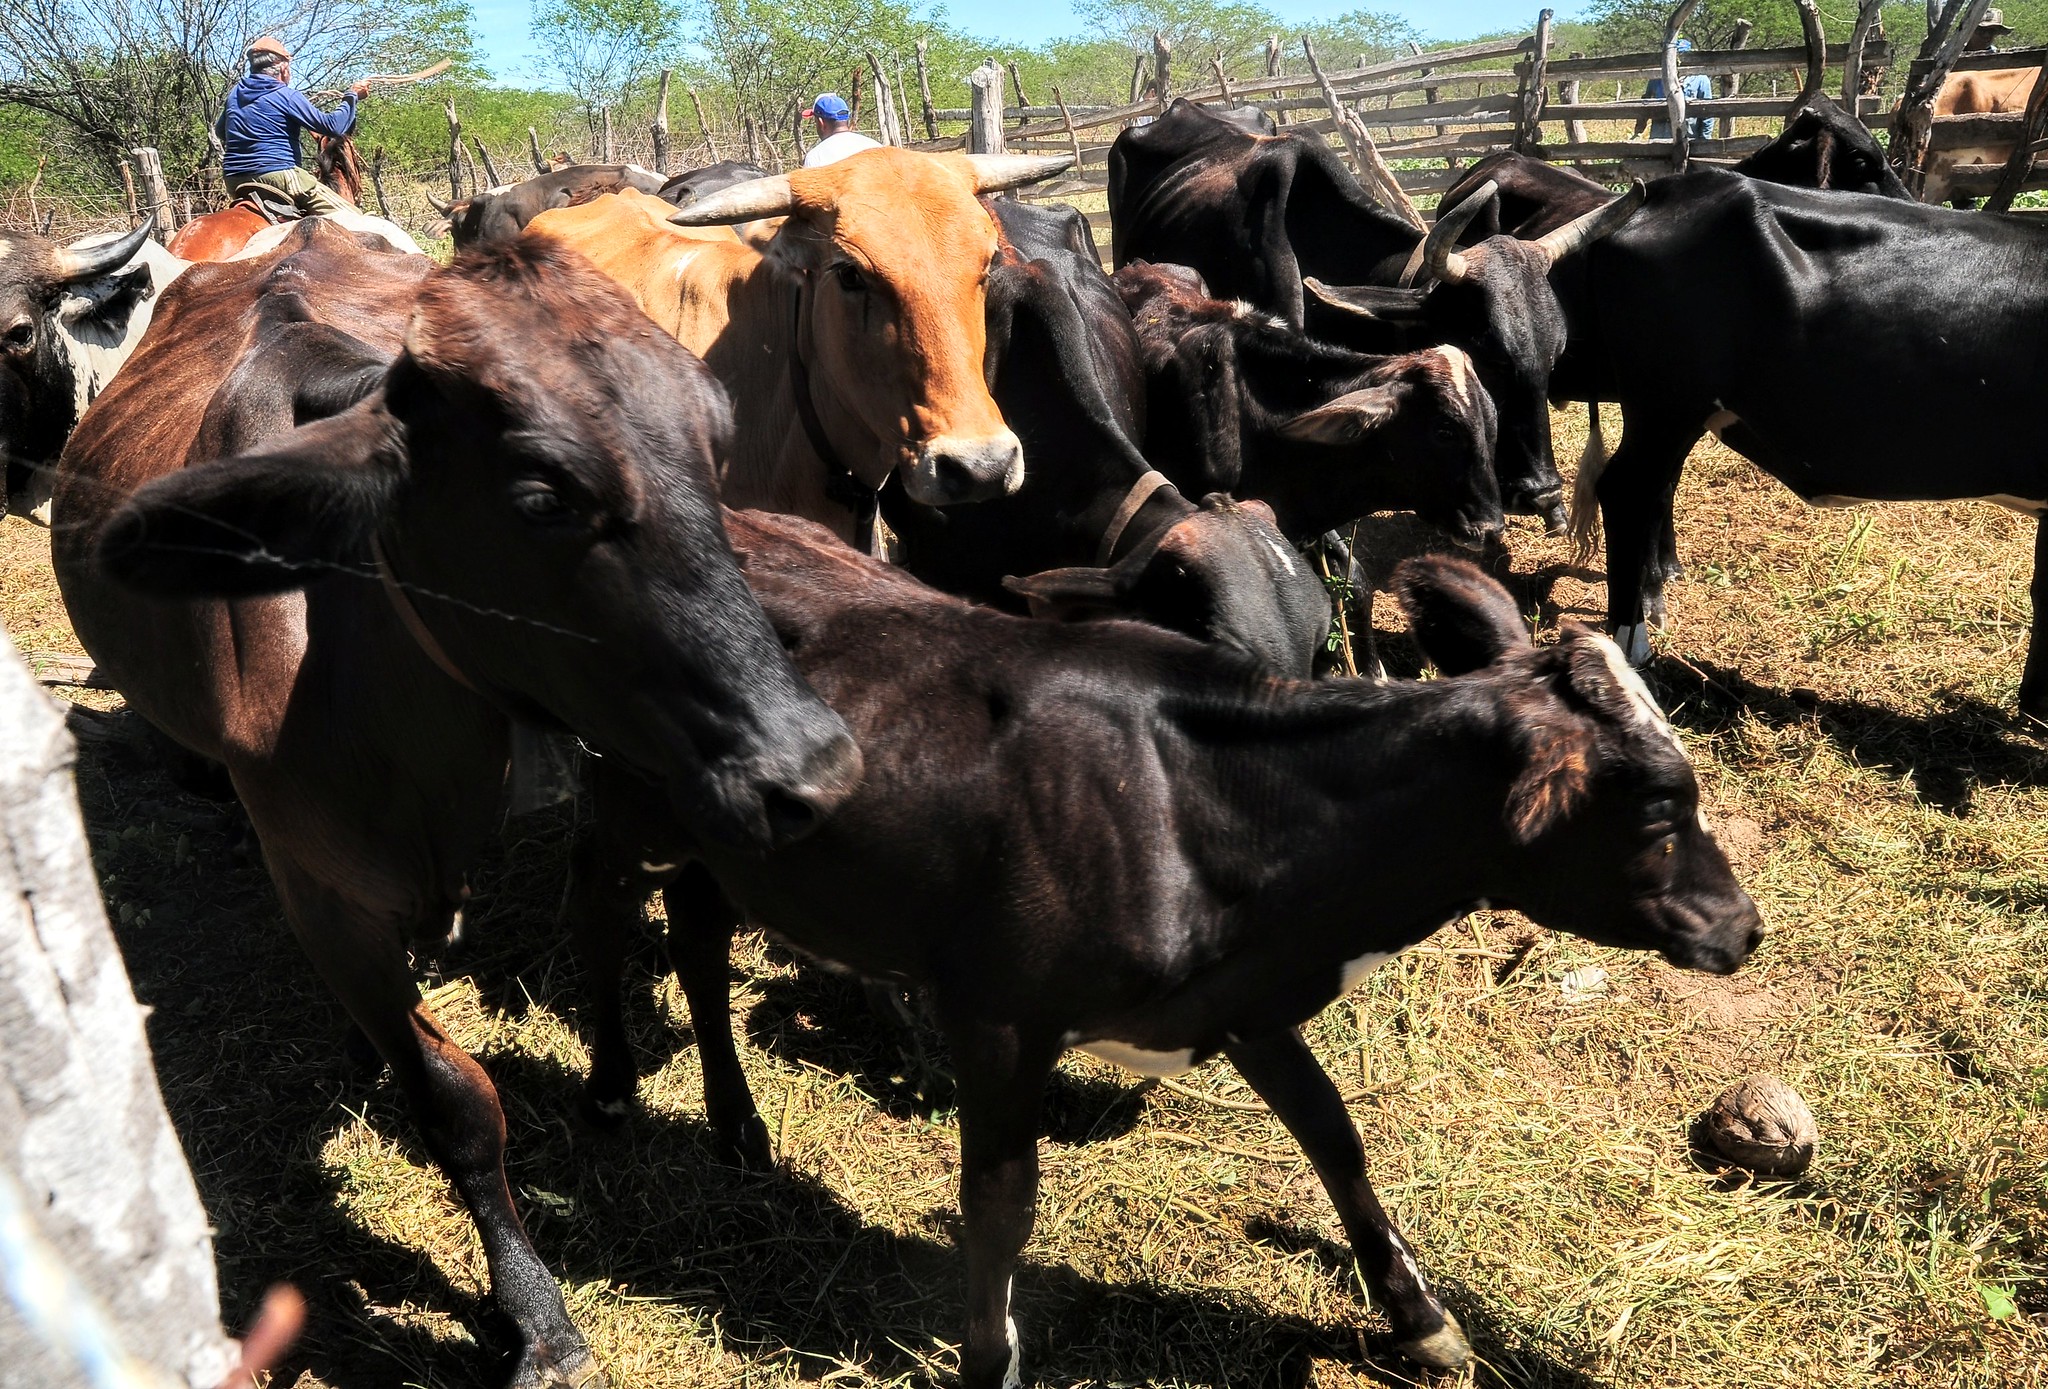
{"x":1698,"y":87}
{"x":1990,"y":29}
{"x":836,"y":136}
{"x":259,"y":132}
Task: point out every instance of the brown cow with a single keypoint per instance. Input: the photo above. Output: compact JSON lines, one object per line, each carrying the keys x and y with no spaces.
{"x":1987,"y":92}
{"x":499,"y":502}
{"x":853,"y":344}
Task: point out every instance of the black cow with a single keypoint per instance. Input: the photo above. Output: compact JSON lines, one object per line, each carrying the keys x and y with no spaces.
{"x":69,"y":317}
{"x":1746,"y":308}
{"x":1260,"y":216}
{"x":1093,"y":528}
{"x":496,"y":216}
{"x":1105,"y":836}
{"x":1243,"y":403}
{"x":1821,"y":146}
{"x":692,"y":184}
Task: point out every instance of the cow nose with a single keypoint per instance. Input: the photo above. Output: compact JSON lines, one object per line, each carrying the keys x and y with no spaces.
{"x":794,"y":806}
{"x":950,"y":469}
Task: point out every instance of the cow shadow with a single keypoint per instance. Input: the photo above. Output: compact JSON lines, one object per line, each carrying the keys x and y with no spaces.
{"x":1945,"y":754}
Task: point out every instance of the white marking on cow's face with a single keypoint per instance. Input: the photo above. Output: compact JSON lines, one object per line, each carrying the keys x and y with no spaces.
{"x":1647,"y":714}
{"x":1157,"y":1064}
{"x":1355,"y":970}
{"x":1460,"y":367}
{"x":1013,"y":1377}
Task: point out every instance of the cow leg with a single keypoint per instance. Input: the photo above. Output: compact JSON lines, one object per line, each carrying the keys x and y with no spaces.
{"x":606,"y":895}
{"x":2034,"y":678}
{"x":701,"y":923}
{"x":1002,"y":1089}
{"x":1633,"y":492}
{"x":456,"y":1108}
{"x":1288,"y":1077}
{"x":1664,"y":563}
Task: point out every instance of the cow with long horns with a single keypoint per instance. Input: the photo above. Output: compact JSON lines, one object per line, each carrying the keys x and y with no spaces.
{"x":854,"y":344}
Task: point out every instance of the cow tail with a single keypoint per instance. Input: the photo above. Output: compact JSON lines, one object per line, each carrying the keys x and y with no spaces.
{"x":1585,"y":518}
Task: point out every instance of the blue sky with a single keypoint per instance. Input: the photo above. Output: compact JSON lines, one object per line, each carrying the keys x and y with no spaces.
{"x":501,"y":24}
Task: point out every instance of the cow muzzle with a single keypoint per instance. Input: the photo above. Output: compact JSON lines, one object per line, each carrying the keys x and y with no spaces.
{"x":948,"y":470}
{"x":763,"y":804}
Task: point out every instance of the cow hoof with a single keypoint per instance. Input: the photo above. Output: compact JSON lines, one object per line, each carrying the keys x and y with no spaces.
{"x":1634,"y":641}
{"x":1443,"y":1349}
{"x":1655,"y":612}
{"x":540,"y":1369}
{"x":748,"y":1145}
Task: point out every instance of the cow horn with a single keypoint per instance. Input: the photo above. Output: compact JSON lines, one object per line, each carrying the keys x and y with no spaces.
{"x":1584,"y":230}
{"x":75,"y":262}
{"x":443,"y":208}
{"x":743,"y":202}
{"x":995,"y":172}
{"x":1445,"y":263}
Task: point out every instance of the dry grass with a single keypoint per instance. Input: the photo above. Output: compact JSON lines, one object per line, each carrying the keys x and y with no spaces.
{"x":1842,"y":680}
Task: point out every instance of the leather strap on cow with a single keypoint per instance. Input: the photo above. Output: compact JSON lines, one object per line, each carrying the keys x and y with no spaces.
{"x":1133,"y":502}
{"x":409,"y":617}
{"x":841,"y":485}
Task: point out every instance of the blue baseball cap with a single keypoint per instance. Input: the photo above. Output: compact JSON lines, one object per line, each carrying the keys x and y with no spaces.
{"x":831,"y":107}
{"x":1683,"y":46}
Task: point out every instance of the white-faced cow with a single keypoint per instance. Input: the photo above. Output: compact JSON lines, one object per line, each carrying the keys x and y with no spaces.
{"x":69,"y":317}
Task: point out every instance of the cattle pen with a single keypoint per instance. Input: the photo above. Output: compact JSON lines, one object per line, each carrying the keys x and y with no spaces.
{"x":1534,"y":1107}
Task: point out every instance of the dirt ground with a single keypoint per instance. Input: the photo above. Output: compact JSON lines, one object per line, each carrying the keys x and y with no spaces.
{"x":1844,"y":681}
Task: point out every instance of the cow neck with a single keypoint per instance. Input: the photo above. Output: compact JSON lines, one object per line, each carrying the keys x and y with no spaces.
{"x":409,"y":617}
{"x":1142,"y":491}
{"x":842,"y":486}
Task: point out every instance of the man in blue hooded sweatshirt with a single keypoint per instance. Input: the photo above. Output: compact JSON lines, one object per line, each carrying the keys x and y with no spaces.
{"x":259,"y":131}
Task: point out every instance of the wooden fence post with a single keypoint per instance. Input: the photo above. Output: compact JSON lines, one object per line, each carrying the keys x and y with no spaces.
{"x":1738,"y":38}
{"x":885,"y":103}
{"x":754,"y":155}
{"x":1535,"y":89}
{"x":704,"y":126}
{"x":150,"y":166}
{"x":1222,"y":79}
{"x":1852,"y":62}
{"x":377,"y":182}
{"x":1816,"y":54}
{"x":1067,"y":116}
{"x":1674,"y":89}
{"x":1137,"y":79}
{"x":1272,"y":55}
{"x":128,"y":182}
{"x":1162,"y":67}
{"x":454,"y":149}
{"x":659,"y":128}
{"x":1568,"y":95}
{"x":490,"y":165}
{"x":1915,"y":116}
{"x":924,"y":92}
{"x":1372,"y":170}
{"x":1017,"y":85}
{"x":540,"y":163}
{"x":985,"y":109}
{"x":604,"y":136}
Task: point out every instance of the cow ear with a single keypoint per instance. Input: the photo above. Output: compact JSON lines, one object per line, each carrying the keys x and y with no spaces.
{"x":1553,"y":781}
{"x":1070,"y":595}
{"x":1462,"y":619}
{"x":261,"y":522}
{"x":1385,"y":302}
{"x":1347,"y":419}
{"x":107,"y":300}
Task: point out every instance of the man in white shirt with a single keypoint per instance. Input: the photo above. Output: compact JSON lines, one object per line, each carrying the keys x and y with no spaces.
{"x":836,"y":136}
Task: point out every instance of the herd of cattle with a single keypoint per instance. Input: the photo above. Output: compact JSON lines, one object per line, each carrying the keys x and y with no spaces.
{"x":343,"y":523}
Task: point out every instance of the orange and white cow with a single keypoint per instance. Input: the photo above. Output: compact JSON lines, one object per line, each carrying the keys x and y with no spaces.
{"x":852,"y":341}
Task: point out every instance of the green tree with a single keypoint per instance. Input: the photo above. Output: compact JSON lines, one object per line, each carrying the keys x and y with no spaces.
{"x":603,"y":51}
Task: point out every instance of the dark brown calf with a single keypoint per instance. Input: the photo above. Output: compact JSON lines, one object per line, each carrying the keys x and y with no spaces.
{"x":498,"y":499}
{"x":1112,"y":837}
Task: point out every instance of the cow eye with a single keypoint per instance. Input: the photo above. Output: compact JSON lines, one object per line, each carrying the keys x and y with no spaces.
{"x":849,"y":277}
{"x":21,"y":336}
{"x":1661,"y":814}
{"x":537,"y":501}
